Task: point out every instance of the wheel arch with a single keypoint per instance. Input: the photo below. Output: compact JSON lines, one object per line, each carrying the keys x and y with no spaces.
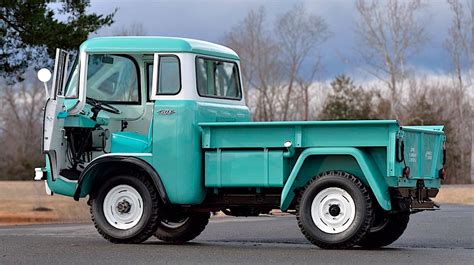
{"x":314,"y":161}
{"x":112,"y":164}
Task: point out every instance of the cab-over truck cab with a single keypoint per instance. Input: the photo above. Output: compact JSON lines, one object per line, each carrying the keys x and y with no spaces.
{"x":155,"y":131}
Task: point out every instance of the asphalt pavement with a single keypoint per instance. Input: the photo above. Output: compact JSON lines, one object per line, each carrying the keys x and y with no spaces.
{"x":441,"y":237}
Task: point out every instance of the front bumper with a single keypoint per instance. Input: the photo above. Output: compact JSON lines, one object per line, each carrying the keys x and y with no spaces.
{"x":41,"y":174}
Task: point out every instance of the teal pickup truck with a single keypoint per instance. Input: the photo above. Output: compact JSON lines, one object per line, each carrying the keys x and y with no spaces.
{"x":155,"y":131}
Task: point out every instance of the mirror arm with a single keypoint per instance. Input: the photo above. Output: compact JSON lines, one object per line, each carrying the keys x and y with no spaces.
{"x":46,"y":89}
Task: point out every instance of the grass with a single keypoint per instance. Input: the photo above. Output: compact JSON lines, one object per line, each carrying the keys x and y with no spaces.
{"x":24,"y":202}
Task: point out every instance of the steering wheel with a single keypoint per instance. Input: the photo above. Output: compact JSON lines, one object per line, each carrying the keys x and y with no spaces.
{"x":102,"y":106}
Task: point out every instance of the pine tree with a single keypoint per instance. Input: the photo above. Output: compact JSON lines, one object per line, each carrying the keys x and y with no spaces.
{"x":30,"y":32}
{"x":347,"y":101}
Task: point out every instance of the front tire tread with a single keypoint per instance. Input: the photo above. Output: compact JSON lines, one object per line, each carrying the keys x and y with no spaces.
{"x":149,"y":228}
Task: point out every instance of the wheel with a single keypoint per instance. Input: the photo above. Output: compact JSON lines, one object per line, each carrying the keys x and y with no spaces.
{"x":182,"y":228}
{"x":334,"y":210}
{"x":386,"y":230}
{"x":125,"y":209}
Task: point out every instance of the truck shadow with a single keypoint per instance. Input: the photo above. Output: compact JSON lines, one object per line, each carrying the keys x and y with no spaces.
{"x":263,"y":245}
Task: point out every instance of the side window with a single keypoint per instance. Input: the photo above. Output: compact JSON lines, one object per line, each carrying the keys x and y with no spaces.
{"x":219,"y":79}
{"x":169,"y":82}
{"x":169,"y":76}
{"x":60,"y":71}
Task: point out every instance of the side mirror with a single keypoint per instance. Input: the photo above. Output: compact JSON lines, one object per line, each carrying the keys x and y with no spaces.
{"x":44,"y":75}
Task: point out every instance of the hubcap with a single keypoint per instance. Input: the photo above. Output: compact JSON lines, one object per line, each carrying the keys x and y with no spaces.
{"x":123,"y":207}
{"x":333,"y":210}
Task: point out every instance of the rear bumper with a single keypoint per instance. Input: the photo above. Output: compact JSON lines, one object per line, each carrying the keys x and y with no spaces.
{"x":418,"y":193}
{"x":416,"y":199}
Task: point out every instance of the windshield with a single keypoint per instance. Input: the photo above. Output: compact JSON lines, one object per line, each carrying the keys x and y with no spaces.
{"x":110,"y":78}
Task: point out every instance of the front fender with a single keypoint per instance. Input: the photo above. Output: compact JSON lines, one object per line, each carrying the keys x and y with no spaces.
{"x":375,"y":181}
{"x":94,"y":168}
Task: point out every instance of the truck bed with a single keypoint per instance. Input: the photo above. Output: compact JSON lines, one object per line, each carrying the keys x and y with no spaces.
{"x":251,"y":154}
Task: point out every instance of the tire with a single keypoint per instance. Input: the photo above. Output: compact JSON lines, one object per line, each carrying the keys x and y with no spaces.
{"x":125,"y":209}
{"x":386,"y":230}
{"x":346,"y":208}
{"x":184,"y":227}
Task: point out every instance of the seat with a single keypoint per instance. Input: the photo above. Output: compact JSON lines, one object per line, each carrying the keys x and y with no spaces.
{"x":132,"y":142}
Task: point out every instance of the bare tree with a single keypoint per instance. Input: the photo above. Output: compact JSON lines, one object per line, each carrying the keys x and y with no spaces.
{"x":261,"y":68}
{"x":458,"y":45}
{"x":389,"y":33}
{"x":273,"y":61}
{"x":299,"y":35}
{"x":20,"y":129}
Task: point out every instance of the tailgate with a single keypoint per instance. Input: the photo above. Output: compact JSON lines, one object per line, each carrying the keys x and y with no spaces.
{"x":423,"y":150}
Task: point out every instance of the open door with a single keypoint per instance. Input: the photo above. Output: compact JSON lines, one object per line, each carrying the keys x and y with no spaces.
{"x":54,"y":142}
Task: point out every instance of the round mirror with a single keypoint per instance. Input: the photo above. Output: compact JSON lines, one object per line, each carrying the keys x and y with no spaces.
{"x":44,"y":75}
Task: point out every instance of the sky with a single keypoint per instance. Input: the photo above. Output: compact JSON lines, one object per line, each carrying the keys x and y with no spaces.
{"x":210,"y":20}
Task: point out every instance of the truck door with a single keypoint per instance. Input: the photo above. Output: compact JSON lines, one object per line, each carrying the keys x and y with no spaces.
{"x":54,"y":142}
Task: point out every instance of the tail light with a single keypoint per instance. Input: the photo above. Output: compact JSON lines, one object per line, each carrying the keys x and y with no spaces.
{"x":442,"y":173}
{"x":406,"y":172}
{"x":444,"y":153}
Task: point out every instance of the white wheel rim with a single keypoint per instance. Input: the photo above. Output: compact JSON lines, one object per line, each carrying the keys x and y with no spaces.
{"x":333,"y":210}
{"x":123,"y":207}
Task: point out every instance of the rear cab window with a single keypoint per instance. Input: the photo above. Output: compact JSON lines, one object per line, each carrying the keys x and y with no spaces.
{"x":218,"y":78}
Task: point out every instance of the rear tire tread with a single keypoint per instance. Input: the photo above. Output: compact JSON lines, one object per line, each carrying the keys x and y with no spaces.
{"x":368,"y":219}
{"x":387,"y":235}
{"x":197,"y":224}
